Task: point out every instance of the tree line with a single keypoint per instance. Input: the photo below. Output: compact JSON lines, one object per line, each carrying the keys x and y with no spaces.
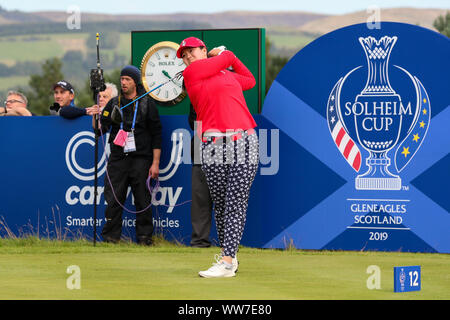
{"x":442,"y":24}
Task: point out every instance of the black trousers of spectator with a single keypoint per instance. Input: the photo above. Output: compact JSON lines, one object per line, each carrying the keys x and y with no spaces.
{"x":130,"y":171}
{"x":201,"y":209}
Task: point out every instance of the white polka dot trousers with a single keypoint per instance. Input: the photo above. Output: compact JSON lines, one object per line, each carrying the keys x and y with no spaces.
{"x":230,"y":168}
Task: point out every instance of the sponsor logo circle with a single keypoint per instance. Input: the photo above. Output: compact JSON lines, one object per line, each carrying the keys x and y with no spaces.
{"x":84,"y":174}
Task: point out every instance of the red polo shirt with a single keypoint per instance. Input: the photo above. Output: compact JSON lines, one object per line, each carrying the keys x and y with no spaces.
{"x":217,"y":93}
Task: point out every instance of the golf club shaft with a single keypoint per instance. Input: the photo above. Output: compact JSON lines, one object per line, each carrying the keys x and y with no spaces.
{"x":146,"y":93}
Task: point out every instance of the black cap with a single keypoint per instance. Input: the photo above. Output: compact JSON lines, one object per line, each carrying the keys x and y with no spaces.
{"x":65,"y":85}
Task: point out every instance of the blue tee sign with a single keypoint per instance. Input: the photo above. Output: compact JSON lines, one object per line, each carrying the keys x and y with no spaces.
{"x":407,"y":279}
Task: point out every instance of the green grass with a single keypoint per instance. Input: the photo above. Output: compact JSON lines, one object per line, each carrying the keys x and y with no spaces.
{"x":36,"y":269}
{"x":13,"y":82}
{"x":46,"y":46}
{"x":29,"y":50}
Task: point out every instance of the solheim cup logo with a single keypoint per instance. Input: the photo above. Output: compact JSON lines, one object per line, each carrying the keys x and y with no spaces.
{"x":402,"y":278}
{"x":380,"y":117}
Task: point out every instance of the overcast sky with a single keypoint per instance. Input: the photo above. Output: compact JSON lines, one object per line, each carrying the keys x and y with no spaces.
{"x":209,"y":6}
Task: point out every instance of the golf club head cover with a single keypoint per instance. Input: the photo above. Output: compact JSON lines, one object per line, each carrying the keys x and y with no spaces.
{"x":116,"y":115}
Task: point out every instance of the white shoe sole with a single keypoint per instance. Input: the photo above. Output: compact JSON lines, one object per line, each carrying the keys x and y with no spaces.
{"x":204,"y":274}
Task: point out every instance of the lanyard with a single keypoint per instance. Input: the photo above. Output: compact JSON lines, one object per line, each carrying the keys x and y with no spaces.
{"x":134,"y":117}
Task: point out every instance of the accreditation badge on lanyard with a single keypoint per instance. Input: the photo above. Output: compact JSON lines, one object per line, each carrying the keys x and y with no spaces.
{"x":130,"y":144}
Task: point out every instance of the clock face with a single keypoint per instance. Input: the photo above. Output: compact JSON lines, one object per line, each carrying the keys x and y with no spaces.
{"x":159,"y":65}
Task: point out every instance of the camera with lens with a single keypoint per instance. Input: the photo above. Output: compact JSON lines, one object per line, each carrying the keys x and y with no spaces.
{"x":97,"y":80}
{"x":54,"y":108}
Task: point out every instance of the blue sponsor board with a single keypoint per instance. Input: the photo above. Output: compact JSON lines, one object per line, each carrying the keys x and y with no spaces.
{"x":48,"y":179}
{"x":369,"y":109}
{"x":354,"y":154}
{"x":407,"y":279}
{"x":47,"y":170}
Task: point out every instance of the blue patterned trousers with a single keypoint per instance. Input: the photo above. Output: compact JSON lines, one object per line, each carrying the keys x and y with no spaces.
{"x":230,"y":168}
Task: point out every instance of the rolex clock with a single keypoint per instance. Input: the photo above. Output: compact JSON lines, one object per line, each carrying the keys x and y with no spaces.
{"x":160,"y":64}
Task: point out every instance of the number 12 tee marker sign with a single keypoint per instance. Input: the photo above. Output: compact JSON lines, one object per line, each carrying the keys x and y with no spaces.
{"x":407,"y":279}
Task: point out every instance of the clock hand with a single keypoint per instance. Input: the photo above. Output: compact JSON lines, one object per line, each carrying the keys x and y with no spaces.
{"x":166,"y":74}
{"x":175,"y":79}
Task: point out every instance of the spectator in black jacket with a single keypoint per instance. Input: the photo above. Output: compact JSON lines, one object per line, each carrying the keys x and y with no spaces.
{"x":132,"y":163}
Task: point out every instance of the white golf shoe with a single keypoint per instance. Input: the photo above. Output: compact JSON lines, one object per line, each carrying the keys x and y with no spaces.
{"x":219,"y":269}
{"x":234,"y":261}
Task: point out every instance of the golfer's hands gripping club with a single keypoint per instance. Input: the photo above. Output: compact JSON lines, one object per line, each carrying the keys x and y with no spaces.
{"x":216,"y":51}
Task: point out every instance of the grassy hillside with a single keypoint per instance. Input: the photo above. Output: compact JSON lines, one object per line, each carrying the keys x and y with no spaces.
{"x":44,"y":46}
{"x":421,"y":17}
{"x":12,"y":83}
{"x":38,"y":48}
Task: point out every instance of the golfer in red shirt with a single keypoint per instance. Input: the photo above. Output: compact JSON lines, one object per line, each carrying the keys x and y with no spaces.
{"x":229,"y":150}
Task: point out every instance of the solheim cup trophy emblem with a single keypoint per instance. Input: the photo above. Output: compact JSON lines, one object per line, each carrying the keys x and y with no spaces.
{"x":378,"y":118}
